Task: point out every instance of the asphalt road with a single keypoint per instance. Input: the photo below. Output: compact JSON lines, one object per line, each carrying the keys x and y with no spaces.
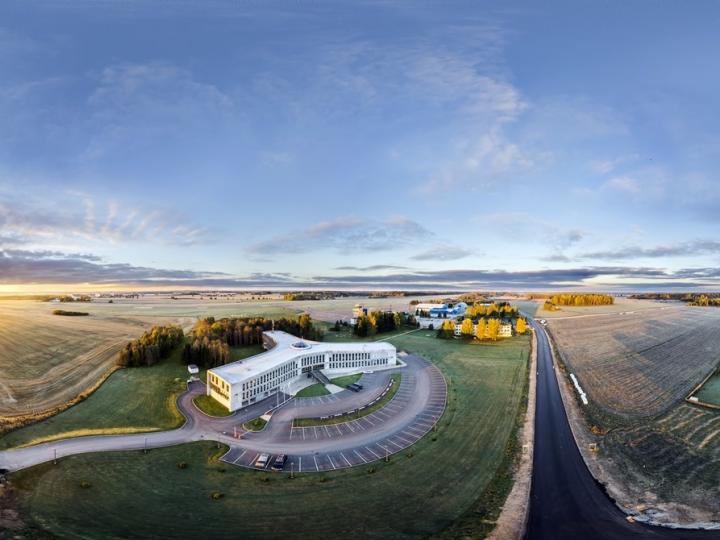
{"x":565,"y":500}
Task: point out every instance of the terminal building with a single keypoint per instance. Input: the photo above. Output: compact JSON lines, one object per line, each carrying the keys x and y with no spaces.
{"x":286,"y":361}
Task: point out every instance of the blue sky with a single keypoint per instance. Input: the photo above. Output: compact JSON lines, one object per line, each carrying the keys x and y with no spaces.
{"x":359,"y":144}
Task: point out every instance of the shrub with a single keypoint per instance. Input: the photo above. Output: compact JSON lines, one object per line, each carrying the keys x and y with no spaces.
{"x":182,"y":465}
{"x":371,"y":470}
{"x":217,"y":495}
{"x":85,"y":484}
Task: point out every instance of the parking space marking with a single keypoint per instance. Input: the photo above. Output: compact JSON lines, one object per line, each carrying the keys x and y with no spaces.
{"x":373,"y":453}
{"x":338,"y":429}
{"x":316,"y":465}
{"x":331,"y":462}
{"x":358,"y":454}
{"x":346,"y":459}
{"x":328,"y":433}
{"x":241,"y":455}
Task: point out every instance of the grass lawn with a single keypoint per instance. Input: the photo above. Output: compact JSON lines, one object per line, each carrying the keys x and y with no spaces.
{"x":710,"y":391}
{"x":210,"y":406}
{"x":342,"y":382}
{"x":240,"y":353}
{"x":309,"y":422}
{"x":449,"y":487}
{"x":132,"y":399}
{"x":257,"y":424}
{"x":314,"y":390}
{"x":346,"y":333}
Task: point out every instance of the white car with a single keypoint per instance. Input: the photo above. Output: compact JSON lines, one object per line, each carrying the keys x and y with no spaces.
{"x":262,"y":461}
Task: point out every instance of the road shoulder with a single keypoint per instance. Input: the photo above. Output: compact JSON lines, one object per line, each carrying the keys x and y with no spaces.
{"x":513,"y":519}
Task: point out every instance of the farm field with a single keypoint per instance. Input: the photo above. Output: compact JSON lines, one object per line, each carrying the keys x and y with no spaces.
{"x":655,"y":450}
{"x":622,"y":304}
{"x":710,"y":391}
{"x":412,"y":496}
{"x":151,"y":407}
{"x":46,"y":360}
{"x":640,"y":364}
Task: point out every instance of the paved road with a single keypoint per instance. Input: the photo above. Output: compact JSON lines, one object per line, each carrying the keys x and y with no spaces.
{"x":417,"y":405}
{"x":566,"y":502}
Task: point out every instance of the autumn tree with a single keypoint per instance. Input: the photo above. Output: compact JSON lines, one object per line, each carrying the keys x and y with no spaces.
{"x":481,"y":329}
{"x":466,"y":328}
{"x":521,"y":326}
{"x":493,"y":329}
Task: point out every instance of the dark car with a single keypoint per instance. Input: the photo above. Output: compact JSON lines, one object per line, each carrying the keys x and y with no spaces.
{"x":279,"y":462}
{"x":352,"y":387}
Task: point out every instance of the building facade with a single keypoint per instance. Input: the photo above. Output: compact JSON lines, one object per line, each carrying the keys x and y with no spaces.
{"x":286,"y":360}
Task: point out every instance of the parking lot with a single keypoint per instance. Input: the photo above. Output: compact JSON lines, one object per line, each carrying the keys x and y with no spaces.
{"x":403,"y":421}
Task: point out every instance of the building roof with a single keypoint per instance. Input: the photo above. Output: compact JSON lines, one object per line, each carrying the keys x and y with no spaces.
{"x":286,"y":348}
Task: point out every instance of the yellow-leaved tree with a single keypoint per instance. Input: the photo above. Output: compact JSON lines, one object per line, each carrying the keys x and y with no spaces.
{"x":481,"y":329}
{"x":521,"y":326}
{"x":466,"y":328}
{"x":493,"y":329}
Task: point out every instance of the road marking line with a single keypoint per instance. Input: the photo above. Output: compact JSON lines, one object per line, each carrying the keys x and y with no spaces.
{"x":331,"y":461}
{"x":316,"y":465}
{"x":373,"y":453}
{"x":328,"y":433}
{"x":238,"y":458}
{"x":338,"y":429}
{"x":346,"y":459}
{"x":299,"y":463}
{"x":394,"y":444}
{"x":358,"y":454}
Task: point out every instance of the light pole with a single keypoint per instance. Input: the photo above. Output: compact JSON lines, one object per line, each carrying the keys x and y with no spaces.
{"x":292,"y":469}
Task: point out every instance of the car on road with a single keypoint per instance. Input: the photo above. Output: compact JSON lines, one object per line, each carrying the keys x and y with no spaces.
{"x":279,"y":462}
{"x":262,"y":461}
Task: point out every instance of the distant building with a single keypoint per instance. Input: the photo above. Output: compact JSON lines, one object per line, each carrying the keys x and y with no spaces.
{"x":506,"y":330}
{"x":358,"y":311}
{"x":440,"y":311}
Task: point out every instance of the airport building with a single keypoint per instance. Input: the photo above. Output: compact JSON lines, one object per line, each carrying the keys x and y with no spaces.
{"x":286,"y":361}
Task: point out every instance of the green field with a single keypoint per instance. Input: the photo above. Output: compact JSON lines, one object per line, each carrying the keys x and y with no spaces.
{"x":210,"y":406}
{"x":256,"y":424}
{"x":710,"y":391}
{"x":451,"y":483}
{"x":314,"y":390}
{"x":342,"y":382}
{"x":132,"y":399}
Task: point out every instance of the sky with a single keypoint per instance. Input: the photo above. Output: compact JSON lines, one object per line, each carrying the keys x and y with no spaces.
{"x":396,"y":145}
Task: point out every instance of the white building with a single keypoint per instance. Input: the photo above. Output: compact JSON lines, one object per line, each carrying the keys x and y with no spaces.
{"x":288,"y":358}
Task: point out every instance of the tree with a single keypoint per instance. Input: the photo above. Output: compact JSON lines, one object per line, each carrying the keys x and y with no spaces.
{"x":447,"y":330}
{"x":466,"y":328}
{"x":521,"y":326}
{"x":493,"y":329}
{"x":481,"y":329}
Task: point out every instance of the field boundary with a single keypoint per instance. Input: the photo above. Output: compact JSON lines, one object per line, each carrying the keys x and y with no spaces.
{"x":11,"y":423}
{"x":695,"y":390}
{"x":513,"y":519}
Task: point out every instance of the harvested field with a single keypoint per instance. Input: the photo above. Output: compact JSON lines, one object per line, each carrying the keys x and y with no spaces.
{"x":642,"y":363}
{"x":621,"y":305}
{"x":47,"y":361}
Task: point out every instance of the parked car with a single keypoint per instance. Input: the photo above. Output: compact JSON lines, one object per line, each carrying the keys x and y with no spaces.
{"x":262,"y":461}
{"x":279,"y":462}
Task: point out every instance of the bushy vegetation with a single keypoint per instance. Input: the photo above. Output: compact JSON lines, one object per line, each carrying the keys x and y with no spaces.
{"x":503,"y":310}
{"x":571,"y":299}
{"x":64,"y":313}
{"x":378,"y":322}
{"x":153,"y":346}
{"x":210,"y":340}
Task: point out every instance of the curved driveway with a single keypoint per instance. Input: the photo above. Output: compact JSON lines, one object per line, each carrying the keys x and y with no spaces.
{"x":413,"y":411}
{"x":566,"y":502}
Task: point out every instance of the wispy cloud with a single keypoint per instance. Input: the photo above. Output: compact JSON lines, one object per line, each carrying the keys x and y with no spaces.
{"x":683,"y":249}
{"x":346,"y":235}
{"x":442,"y":253}
{"x":372,"y":268}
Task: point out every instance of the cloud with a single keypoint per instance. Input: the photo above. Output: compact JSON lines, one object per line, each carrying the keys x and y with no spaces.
{"x":442,"y":253}
{"x":78,"y":216}
{"x":346,"y":235}
{"x":682,"y":249}
{"x":625,"y":184}
{"x":372,"y":268}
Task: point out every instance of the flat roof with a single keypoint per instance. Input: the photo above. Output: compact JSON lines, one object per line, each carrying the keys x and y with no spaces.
{"x":288,"y":347}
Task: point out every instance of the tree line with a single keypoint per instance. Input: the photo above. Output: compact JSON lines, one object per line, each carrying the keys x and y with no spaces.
{"x":483,"y":329}
{"x":502,"y":309}
{"x":572,"y":299}
{"x":210,"y":339}
{"x":154,"y":345}
{"x":378,"y":322}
